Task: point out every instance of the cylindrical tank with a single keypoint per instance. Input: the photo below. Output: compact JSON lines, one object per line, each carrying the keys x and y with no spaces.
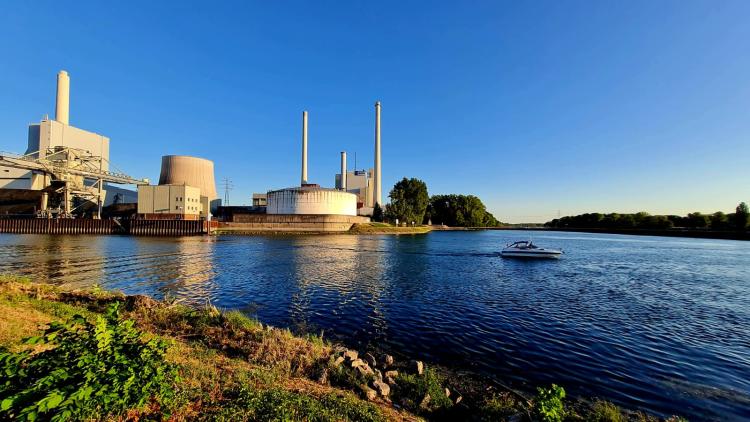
{"x":311,"y":201}
{"x":191,"y":171}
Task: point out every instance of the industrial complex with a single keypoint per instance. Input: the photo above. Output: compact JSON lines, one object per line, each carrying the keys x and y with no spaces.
{"x":65,"y":178}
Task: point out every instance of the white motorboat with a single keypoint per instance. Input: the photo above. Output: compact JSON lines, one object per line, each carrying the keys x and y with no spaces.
{"x":527,"y":249}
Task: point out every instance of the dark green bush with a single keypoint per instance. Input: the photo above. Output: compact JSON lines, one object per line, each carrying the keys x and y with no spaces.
{"x":548,"y":404}
{"x":85,"y":370}
{"x":411,"y":390}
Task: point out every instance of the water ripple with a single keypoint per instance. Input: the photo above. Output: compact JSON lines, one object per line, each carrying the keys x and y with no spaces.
{"x":657,"y":324}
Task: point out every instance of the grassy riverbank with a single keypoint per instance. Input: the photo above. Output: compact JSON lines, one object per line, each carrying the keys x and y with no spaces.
{"x":203,"y":364}
{"x":356,"y":229}
{"x":383,"y":228}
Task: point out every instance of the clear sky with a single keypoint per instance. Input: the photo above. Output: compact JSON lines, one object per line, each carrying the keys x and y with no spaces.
{"x":536,"y":107}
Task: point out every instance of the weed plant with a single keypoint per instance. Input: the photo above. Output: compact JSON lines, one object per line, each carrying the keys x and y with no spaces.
{"x":82,"y":370}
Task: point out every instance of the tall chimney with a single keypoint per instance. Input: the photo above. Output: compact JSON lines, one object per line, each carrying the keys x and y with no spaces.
{"x":62,"y":111}
{"x":377,"y":189}
{"x":304,"y":147}
{"x":343,"y":171}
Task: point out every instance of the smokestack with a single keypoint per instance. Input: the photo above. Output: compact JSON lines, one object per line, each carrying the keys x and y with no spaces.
{"x":377,"y":189}
{"x":304,"y":147}
{"x":62,"y":111}
{"x":343,"y":171}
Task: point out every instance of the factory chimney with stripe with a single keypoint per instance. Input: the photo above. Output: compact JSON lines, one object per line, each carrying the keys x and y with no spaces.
{"x":342,"y":181}
{"x":377,"y":191}
{"x":304,"y":148}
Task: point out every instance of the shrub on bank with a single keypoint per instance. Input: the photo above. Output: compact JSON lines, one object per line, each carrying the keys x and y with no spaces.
{"x":85,"y":370}
{"x":423,"y":393}
{"x":548,"y":404}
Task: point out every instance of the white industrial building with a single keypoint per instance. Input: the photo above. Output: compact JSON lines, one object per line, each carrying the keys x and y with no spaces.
{"x":309,"y":198}
{"x":358,"y":182}
{"x":46,"y":135}
{"x":64,"y":160}
{"x":172,"y":201}
{"x":186,"y":190}
{"x":355,"y":193}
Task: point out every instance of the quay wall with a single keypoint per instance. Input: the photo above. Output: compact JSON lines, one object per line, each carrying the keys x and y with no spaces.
{"x":289,"y":223}
{"x":88,"y":226}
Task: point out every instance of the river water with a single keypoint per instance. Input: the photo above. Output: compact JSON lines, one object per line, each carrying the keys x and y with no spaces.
{"x":651,"y":323}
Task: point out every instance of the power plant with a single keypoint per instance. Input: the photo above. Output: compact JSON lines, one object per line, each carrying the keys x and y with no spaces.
{"x":309,"y":198}
{"x":65,"y":174}
{"x":64,"y":171}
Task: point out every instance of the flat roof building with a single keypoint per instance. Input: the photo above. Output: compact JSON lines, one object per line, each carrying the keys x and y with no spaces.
{"x":172,"y":202}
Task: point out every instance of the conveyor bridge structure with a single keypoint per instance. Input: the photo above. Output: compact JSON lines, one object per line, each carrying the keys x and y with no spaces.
{"x":72,"y":172}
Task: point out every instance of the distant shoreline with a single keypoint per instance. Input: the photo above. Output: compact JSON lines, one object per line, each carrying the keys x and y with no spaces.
{"x":700,"y":234}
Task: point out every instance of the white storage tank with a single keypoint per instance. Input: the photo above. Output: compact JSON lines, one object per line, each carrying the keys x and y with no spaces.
{"x":311,"y":200}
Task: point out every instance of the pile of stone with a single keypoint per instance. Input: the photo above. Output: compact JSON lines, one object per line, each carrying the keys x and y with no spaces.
{"x":381,"y":371}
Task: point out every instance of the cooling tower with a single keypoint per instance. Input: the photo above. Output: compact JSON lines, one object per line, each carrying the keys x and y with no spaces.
{"x":191,"y":171}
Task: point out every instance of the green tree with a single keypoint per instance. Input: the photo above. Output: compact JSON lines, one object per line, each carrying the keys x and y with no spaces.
{"x":377,"y":214}
{"x":741,"y":216}
{"x":698,"y":220}
{"x":409,"y":201}
{"x":719,"y":221}
{"x":460,"y":211}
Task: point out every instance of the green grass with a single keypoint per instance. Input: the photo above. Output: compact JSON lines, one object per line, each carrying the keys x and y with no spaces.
{"x":411,"y":389}
{"x":604,"y":411}
{"x":382,"y":228}
{"x":231,"y":367}
{"x":280,"y":405}
{"x":236,"y":319}
{"x":499,"y":407}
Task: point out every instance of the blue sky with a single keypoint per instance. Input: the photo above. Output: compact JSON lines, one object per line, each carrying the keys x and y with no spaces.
{"x":534,"y":107}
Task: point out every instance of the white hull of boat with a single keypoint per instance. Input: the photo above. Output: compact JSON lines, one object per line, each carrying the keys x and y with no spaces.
{"x":535,"y":254}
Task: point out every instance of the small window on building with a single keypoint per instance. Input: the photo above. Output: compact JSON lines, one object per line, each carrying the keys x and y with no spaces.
{"x":176,"y":207}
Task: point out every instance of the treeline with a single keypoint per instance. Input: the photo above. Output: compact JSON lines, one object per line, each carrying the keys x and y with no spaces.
{"x":460,"y":211}
{"x":719,"y":221}
{"x":411,"y":204}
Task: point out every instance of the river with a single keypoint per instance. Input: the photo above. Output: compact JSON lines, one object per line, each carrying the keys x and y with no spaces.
{"x":652,"y":323}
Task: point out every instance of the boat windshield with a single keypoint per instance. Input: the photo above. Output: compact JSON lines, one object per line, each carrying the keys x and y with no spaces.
{"x":523,"y":244}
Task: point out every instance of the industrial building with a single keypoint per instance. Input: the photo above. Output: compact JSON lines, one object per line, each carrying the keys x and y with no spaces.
{"x":260,"y":199}
{"x":356,"y":193}
{"x":66,"y":173}
{"x":65,"y":170}
{"x":358,"y":182}
{"x":180,"y":202}
{"x":366,"y":185}
{"x":310,"y":207}
{"x":309,"y":198}
{"x":186,"y":190}
{"x":193,"y":171}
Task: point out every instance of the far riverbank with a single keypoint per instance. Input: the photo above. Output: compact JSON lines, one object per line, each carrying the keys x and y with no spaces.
{"x":700,"y":234}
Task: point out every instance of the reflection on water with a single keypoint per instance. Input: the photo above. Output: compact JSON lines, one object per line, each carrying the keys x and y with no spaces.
{"x":652,"y":323}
